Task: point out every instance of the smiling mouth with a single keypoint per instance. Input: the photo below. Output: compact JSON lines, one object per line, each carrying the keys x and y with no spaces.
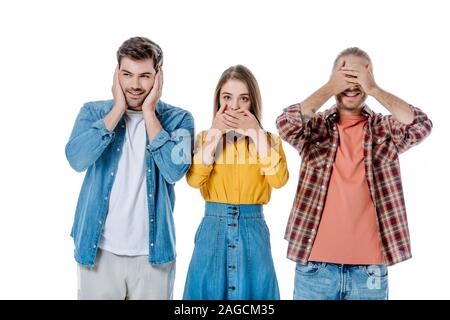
{"x":135,"y":95}
{"x":351,"y":93}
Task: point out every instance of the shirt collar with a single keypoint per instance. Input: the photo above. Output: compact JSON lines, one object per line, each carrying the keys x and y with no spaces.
{"x":333,"y":114}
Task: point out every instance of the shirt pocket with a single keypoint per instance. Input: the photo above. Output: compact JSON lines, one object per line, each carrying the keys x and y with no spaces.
{"x":317,"y":154}
{"x":383,"y":150}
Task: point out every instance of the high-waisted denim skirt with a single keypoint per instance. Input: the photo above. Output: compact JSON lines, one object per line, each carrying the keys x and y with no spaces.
{"x":232,"y":258}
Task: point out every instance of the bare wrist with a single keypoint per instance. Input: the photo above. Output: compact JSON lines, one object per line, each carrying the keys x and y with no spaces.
{"x":149,"y":114}
{"x":120,"y":107}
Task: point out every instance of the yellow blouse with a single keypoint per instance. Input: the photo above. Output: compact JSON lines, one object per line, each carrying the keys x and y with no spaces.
{"x":238,"y":175}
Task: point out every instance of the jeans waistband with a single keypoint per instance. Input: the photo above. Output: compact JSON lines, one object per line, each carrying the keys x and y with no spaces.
{"x":218,"y":209}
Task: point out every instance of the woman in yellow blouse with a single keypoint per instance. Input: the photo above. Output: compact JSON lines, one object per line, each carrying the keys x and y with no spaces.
{"x":236,"y":164}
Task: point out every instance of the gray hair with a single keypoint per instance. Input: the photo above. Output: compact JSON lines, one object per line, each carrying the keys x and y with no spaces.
{"x":352,"y":51}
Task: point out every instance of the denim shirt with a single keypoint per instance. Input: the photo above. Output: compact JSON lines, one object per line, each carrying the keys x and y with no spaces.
{"x":93,"y":147}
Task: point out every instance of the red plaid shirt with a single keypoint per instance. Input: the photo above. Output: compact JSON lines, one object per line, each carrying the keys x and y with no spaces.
{"x":317,"y":140}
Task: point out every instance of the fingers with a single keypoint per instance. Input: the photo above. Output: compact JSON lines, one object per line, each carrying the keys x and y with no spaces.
{"x":236,"y":114}
{"x":116,"y":84}
{"x":249,"y":114}
{"x":161,"y":80}
{"x":221,"y":109}
{"x":351,"y":86}
{"x":341,"y":65}
{"x":350,"y":74}
{"x":354,"y":67}
{"x":156,"y":84}
{"x":227,"y":120}
{"x":116,"y":76}
{"x":228,"y":123}
{"x":239,"y":113}
{"x":352,"y":81}
{"x":230,"y":119}
{"x":348,"y":86}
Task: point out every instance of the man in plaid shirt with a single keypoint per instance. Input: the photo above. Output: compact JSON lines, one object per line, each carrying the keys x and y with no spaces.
{"x":348,"y":221}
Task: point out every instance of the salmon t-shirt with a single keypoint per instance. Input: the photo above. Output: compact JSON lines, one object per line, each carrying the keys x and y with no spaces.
{"x":348,"y":231}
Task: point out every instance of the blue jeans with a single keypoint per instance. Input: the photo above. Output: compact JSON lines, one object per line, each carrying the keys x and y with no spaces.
{"x":329,"y":281}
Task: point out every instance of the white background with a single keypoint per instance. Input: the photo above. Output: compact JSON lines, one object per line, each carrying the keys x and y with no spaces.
{"x":56,"y":55}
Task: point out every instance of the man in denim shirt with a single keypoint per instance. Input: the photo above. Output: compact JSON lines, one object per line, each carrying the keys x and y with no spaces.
{"x":134,"y":148}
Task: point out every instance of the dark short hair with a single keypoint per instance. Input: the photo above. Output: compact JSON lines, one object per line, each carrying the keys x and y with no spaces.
{"x":141,"y":48}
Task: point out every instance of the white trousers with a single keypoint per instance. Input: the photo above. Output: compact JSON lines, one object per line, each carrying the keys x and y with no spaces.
{"x":115,"y":277}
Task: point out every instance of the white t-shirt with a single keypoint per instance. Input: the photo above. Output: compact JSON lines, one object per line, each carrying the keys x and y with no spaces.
{"x":126,"y":228}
